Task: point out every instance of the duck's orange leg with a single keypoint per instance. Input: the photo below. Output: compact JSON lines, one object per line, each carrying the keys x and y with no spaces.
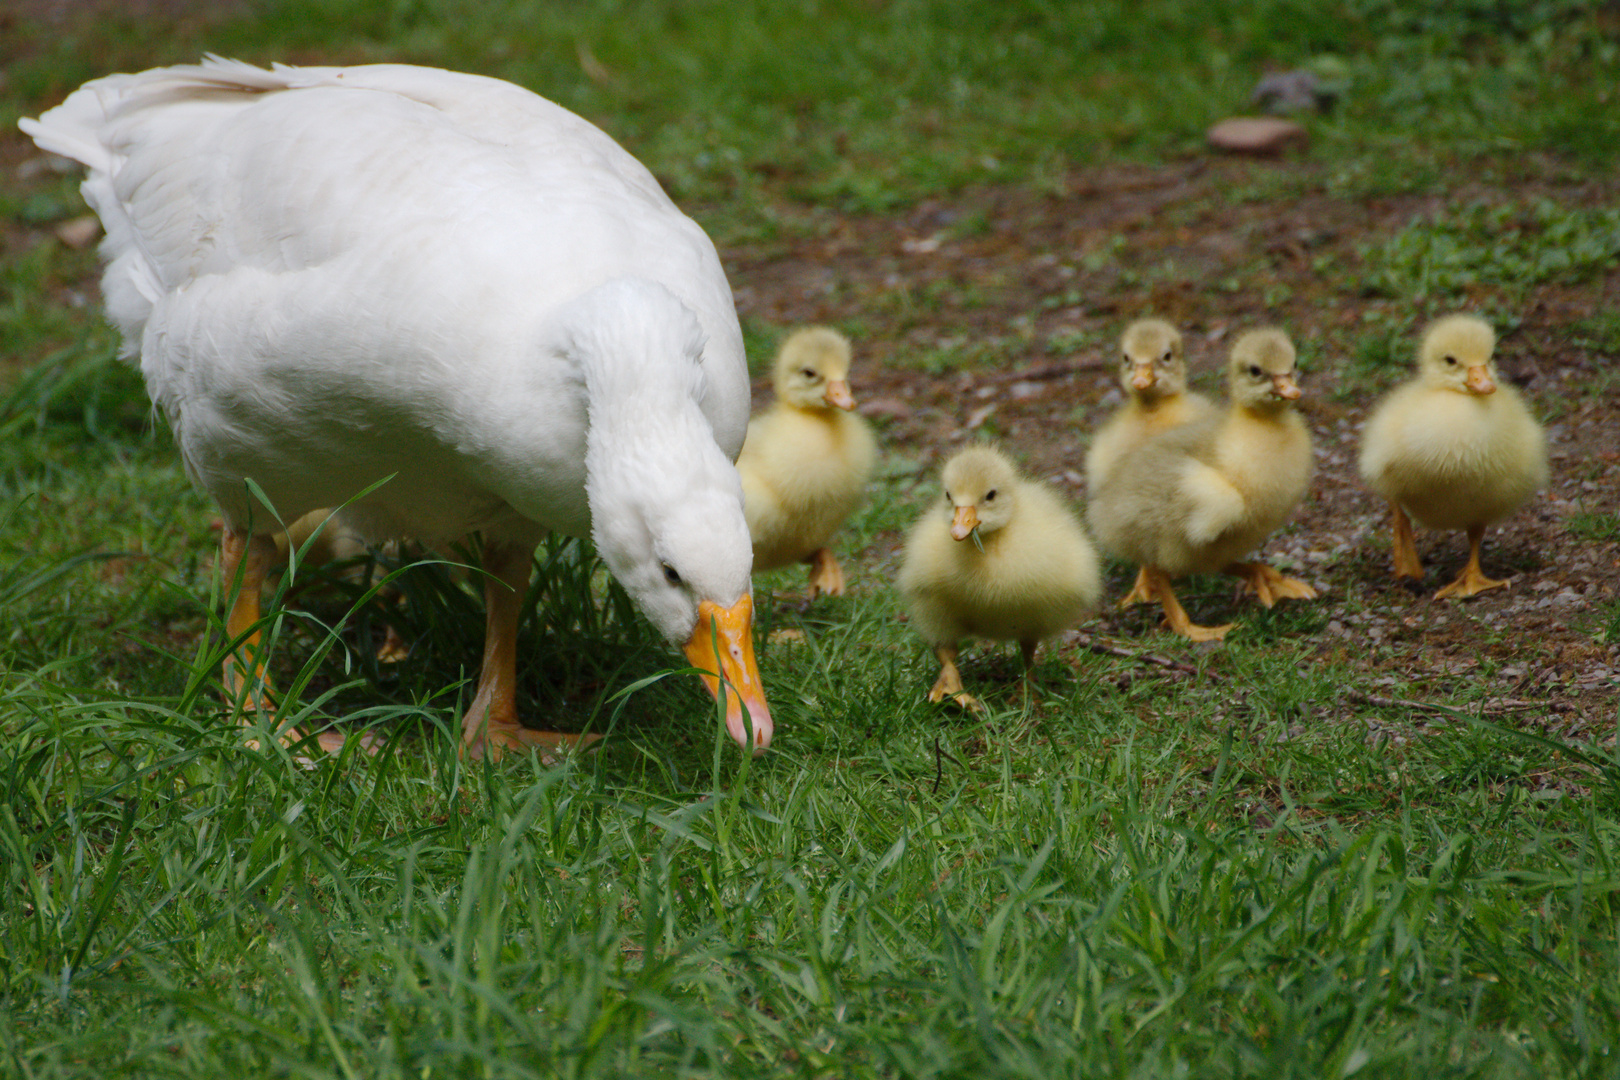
{"x":490,"y":726}
{"x":1175,"y":616}
{"x":1268,"y":585}
{"x":826,"y":576}
{"x":1140,"y":593}
{"x":244,"y":561}
{"x":1403,"y":545}
{"x":949,"y":683}
{"x":1472,"y":580}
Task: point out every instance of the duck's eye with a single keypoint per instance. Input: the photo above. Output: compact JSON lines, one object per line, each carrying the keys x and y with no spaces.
{"x":948,"y":497}
{"x":671,"y":575}
{"x":1452,"y":360}
{"x":1254,"y":370}
{"x":809,"y":373}
{"x":1166,"y":357}
{"x":1126,"y":360}
{"x":990,"y":496}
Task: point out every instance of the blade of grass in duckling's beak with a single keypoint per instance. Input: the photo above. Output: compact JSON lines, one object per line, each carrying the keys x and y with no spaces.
{"x":963,"y":522}
{"x":1479,"y":380}
{"x":838,"y":395}
{"x":1285,"y":387}
{"x":728,"y":633}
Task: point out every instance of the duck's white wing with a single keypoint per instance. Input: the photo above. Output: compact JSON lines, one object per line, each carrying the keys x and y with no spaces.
{"x":376,"y":248}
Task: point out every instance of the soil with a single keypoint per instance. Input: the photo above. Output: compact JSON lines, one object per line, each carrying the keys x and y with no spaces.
{"x":998,"y":312}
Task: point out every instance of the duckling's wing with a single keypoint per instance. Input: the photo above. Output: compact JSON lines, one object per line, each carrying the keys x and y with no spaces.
{"x":1214,"y":504}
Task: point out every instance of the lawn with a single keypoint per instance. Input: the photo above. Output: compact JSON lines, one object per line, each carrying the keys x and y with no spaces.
{"x":1366,"y":837}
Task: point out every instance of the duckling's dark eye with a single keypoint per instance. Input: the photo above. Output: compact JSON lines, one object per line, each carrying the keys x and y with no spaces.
{"x":670,"y":575}
{"x":1452,"y":360}
{"x":990,"y":496}
{"x":1254,"y":370}
{"x":809,"y":373}
{"x":1126,"y":359}
{"x":1166,"y":357}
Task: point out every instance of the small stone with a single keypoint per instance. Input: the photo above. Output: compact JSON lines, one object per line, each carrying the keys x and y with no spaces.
{"x":884,"y":408}
{"x":79,"y":232}
{"x":1255,"y":135}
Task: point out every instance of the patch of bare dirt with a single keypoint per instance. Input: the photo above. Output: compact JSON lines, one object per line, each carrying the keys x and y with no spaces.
{"x":998,"y":312}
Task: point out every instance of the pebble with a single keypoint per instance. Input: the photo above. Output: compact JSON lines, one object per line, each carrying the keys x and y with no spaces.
{"x":1255,"y":135}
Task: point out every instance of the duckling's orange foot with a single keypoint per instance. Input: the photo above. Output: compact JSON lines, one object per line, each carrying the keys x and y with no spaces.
{"x":1192,"y":631}
{"x":1268,"y":585}
{"x":1141,"y":592}
{"x":826,"y":576}
{"x":491,"y":743}
{"x":960,"y":698}
{"x":1470,"y":583}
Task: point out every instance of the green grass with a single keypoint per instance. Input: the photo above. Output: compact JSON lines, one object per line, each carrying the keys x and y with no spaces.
{"x":1244,"y":872}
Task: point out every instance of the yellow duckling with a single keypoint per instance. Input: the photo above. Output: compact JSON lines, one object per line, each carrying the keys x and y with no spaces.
{"x":1199,"y":497}
{"x":1153,"y":372}
{"x":1002,"y":557}
{"x":1454,"y":448}
{"x":806,"y":459}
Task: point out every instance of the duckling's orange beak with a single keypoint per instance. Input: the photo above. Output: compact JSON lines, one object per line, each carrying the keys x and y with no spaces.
{"x":963,"y":522}
{"x":838,"y":396}
{"x":1142,"y":377}
{"x":1285,"y":387}
{"x":728,"y":633}
{"x":1479,"y":380}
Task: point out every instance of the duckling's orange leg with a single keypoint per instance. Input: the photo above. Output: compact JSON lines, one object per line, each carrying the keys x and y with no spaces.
{"x":1403,"y":546}
{"x":1472,"y":580}
{"x":1027,"y":648}
{"x":826,"y":576}
{"x":1140,"y":592}
{"x":244,"y":561}
{"x":491,"y":726}
{"x":950,"y":681}
{"x":1268,"y":585}
{"x":1175,"y":616}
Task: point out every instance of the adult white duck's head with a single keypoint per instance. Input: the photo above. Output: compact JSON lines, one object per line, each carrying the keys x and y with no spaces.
{"x":665,"y":501}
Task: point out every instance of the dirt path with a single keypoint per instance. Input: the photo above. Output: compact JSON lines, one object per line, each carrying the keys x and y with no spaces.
{"x":999,"y":311}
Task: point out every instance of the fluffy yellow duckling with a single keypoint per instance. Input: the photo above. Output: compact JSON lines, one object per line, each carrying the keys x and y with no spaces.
{"x":1153,"y":372}
{"x":1001,"y":557}
{"x":806,"y":460}
{"x":1199,"y":497}
{"x":1454,"y":448}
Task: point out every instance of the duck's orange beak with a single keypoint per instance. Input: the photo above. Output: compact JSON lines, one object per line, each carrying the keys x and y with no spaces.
{"x":728,"y":634}
{"x":838,"y":396}
{"x":1142,"y":377}
{"x":963,"y":522}
{"x":1285,"y":387}
{"x":1479,"y":380}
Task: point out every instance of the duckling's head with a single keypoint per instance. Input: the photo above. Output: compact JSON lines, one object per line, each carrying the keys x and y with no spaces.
{"x":980,"y":490}
{"x":812,"y":370}
{"x":1260,"y":373}
{"x":1152,"y":366}
{"x":1456,"y":355}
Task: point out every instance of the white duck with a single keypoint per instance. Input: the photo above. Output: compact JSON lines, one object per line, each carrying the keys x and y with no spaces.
{"x":446,"y":286}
